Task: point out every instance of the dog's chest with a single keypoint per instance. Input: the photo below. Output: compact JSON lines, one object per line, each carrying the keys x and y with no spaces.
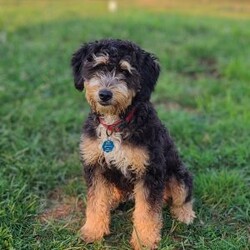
{"x":124,"y":156}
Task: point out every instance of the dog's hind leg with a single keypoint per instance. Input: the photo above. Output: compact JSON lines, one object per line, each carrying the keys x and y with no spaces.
{"x":179,"y":188}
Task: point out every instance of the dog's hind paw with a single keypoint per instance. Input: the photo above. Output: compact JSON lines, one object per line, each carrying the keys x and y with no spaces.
{"x":184,"y":213}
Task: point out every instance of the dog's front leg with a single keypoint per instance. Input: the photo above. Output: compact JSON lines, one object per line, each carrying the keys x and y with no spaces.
{"x":147,"y":216}
{"x":98,"y":208}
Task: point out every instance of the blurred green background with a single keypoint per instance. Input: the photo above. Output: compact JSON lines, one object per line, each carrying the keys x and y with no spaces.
{"x":202,"y":96}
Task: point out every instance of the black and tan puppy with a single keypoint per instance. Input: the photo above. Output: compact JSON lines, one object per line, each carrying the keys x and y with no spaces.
{"x":126,"y":150}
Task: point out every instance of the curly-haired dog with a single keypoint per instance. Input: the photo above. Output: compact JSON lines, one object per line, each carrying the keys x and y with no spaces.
{"x":126,"y":150}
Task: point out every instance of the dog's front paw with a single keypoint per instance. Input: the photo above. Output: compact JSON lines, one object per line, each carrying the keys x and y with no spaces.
{"x":91,"y":233}
{"x":183,"y":213}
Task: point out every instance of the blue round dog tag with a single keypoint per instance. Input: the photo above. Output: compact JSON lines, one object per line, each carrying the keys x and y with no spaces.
{"x":108,"y":146}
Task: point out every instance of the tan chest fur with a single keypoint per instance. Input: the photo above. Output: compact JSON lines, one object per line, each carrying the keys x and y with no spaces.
{"x":124,"y":156}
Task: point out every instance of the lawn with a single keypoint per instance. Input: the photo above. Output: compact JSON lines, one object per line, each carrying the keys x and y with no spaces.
{"x":202,"y":96}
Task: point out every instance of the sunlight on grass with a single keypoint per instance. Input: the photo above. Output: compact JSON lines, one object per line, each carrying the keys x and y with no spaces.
{"x":14,"y":14}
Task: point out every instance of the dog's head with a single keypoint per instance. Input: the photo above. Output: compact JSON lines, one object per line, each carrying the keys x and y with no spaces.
{"x":115,"y":74}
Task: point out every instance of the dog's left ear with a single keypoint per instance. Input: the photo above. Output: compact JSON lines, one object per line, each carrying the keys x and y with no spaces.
{"x":77,"y":62}
{"x":150,"y":70}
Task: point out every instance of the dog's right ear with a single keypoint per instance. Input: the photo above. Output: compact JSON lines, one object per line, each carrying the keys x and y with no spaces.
{"x":77,"y":62}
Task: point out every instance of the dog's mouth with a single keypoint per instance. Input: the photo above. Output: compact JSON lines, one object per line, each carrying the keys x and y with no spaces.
{"x":107,"y":103}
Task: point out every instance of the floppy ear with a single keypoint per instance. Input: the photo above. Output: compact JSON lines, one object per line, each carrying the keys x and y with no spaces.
{"x":150,"y":70}
{"x":77,"y":62}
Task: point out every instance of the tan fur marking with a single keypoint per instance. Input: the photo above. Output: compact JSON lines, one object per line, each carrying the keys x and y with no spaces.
{"x":97,"y":211}
{"x":117,"y":197}
{"x":91,"y":94}
{"x":167,"y":193}
{"x":180,"y":210}
{"x":124,"y":157}
{"x":147,"y":221}
{"x":178,"y":192}
{"x":89,"y":151}
{"x":126,"y":66}
{"x":136,"y":158}
{"x":101,"y":59}
{"x":122,"y":97}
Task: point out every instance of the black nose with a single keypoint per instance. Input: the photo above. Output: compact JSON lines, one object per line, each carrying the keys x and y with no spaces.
{"x":105,"y":95}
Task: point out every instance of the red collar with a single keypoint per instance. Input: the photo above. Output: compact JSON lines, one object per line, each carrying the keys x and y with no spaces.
{"x":116,"y":126}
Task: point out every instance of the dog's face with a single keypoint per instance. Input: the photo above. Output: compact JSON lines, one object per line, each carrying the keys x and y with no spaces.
{"x":115,"y":74}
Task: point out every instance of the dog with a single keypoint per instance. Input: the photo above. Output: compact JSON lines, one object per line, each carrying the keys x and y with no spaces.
{"x":127,"y":153}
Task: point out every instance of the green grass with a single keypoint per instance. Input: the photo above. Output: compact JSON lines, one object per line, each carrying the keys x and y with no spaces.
{"x":202,"y":96}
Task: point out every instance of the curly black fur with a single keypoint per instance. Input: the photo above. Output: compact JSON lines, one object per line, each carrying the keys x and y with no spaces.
{"x":145,"y":129}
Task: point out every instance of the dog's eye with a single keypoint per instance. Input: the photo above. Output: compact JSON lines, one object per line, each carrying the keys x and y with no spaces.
{"x":125,"y":72}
